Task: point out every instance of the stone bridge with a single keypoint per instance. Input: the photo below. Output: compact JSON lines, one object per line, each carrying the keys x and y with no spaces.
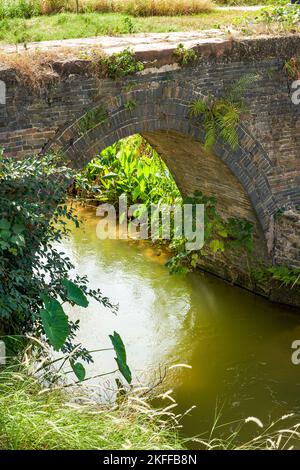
{"x":259,"y":181}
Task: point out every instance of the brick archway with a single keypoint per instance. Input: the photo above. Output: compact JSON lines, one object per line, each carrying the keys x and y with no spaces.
{"x":167,"y":109}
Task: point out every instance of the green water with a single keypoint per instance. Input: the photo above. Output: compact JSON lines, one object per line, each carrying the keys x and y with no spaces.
{"x":238,"y":344}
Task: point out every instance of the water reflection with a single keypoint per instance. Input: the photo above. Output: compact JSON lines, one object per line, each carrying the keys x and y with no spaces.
{"x":239,"y":345}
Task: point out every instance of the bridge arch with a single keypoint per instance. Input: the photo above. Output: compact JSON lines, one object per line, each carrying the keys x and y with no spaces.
{"x":157,"y":113}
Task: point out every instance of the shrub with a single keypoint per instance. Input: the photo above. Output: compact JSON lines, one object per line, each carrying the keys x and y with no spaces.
{"x":34,"y":275}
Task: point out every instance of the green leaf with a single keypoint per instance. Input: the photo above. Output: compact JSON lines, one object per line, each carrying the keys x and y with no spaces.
{"x":75,"y":294}
{"x":216,"y":245}
{"x":5,"y":234}
{"x":55,"y":322}
{"x":18,"y":229}
{"x":4,"y":224}
{"x":121,"y":356}
{"x":78,"y":370}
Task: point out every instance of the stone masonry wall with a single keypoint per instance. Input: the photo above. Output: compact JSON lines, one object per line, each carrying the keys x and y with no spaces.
{"x":259,"y":179}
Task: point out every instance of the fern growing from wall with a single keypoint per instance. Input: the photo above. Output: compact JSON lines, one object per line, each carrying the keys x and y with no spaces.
{"x":221,"y":117}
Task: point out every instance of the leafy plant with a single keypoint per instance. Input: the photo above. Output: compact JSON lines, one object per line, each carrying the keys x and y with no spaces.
{"x":130,"y":105}
{"x":130,"y":166}
{"x":120,"y":64}
{"x":221,"y":117}
{"x":289,"y":277}
{"x":219,"y":235}
{"x":91,"y":119}
{"x":184,"y":56}
{"x":34,"y":275}
{"x":287,"y":15}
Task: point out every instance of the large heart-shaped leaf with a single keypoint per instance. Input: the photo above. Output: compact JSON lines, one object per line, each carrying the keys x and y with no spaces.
{"x":78,"y":370}
{"x":55,"y":322}
{"x":75,"y":294}
{"x":121,"y":356}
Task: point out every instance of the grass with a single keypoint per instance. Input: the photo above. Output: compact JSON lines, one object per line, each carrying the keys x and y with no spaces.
{"x":28,"y":8}
{"x":33,"y":417}
{"x":71,"y":25}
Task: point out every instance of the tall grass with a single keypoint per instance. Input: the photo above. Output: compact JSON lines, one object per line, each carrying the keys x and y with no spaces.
{"x":33,"y":417}
{"x":252,"y":434}
{"x":31,"y":8}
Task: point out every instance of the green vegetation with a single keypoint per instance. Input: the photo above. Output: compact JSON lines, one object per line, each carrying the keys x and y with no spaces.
{"x":288,"y":277}
{"x":30,"y":8}
{"x":70,"y":25}
{"x":184,"y":55}
{"x":120,"y":64}
{"x":132,"y":167}
{"x":221,"y":117}
{"x":34,"y":417}
{"x":91,"y":119}
{"x":283,"y":17}
{"x":34,"y":275}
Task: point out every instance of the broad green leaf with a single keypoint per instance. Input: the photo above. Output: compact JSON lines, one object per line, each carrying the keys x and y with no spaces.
{"x":4,"y":224}
{"x":124,"y":369}
{"x":18,"y":229}
{"x":75,"y":294}
{"x":5,"y":234}
{"x":55,"y":322}
{"x":121,"y":356}
{"x":78,"y":370}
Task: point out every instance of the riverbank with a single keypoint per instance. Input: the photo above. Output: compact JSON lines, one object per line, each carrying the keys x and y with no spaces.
{"x":33,"y":417}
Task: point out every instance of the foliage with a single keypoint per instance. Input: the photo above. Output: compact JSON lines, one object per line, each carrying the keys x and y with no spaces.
{"x":130,"y":166}
{"x":184,"y":56}
{"x":219,"y":235}
{"x":221,"y":117}
{"x":120,"y":64}
{"x":288,"y":15}
{"x":289,"y":277}
{"x":66,"y":25}
{"x":30,"y":8}
{"x":130,"y":105}
{"x":20,"y":9}
{"x":34,"y":275}
{"x":91,"y":119}
{"x":121,"y":358}
{"x":33,"y":416}
{"x":279,"y":434}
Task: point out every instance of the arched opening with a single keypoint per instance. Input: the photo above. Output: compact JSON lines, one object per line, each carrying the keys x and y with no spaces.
{"x":166,"y":111}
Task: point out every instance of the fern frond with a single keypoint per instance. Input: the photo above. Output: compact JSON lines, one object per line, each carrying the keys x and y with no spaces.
{"x":210,"y":132}
{"x":235,"y":93}
{"x":198,"y":108}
